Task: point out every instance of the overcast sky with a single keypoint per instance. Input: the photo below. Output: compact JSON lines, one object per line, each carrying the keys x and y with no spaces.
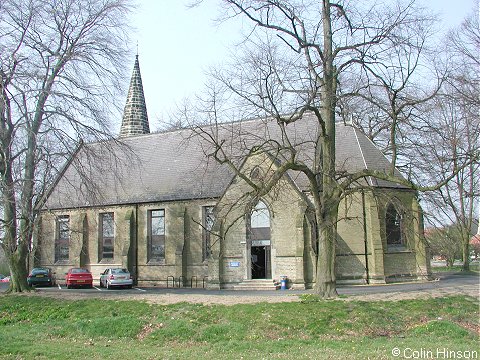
{"x":177,"y":45}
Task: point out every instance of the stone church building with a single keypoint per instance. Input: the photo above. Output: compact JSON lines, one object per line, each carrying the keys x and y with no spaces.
{"x":159,"y":206}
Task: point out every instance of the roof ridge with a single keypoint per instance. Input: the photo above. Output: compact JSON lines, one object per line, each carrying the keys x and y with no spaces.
{"x":202,"y":126}
{"x":369,"y":179}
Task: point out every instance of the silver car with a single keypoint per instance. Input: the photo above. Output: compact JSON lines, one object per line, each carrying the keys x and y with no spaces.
{"x":116,"y":277}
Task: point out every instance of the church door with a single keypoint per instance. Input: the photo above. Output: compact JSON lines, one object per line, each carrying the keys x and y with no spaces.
{"x":261,"y":268}
{"x":260,"y":245}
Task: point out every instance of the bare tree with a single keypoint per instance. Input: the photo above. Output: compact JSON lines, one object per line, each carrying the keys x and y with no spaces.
{"x":445,"y":243}
{"x":59,"y":65}
{"x":450,"y":146}
{"x":432,"y":127}
{"x":386,"y":99}
{"x":293,"y":62}
{"x":453,"y":140}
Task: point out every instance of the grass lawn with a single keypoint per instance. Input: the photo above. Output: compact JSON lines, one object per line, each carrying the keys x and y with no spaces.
{"x":475,"y":268}
{"x":42,"y":328}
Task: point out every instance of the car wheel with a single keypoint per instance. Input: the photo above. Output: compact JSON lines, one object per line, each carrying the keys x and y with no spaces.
{"x":129,"y":286}
{"x":68,"y":286}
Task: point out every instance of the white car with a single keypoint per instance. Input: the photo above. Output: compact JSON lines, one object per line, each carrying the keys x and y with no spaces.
{"x":116,"y":277}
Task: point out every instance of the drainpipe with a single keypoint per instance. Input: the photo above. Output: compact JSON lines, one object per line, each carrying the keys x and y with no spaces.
{"x":365,"y":237}
{"x":136,"y":244}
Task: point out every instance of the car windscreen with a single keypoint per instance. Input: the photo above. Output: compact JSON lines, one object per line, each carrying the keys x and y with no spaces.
{"x":119,"y":271}
{"x":79,"y":271}
{"x":39,"y":271}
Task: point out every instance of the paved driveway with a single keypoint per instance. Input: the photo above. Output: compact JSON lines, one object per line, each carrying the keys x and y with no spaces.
{"x":446,"y":284}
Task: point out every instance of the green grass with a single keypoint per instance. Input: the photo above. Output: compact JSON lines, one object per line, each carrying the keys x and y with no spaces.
{"x":455,"y":268}
{"x":41,"y":328}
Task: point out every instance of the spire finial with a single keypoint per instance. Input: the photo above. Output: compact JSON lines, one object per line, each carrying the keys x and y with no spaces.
{"x":137,"y":48}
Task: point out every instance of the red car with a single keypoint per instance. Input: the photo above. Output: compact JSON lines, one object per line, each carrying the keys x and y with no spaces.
{"x":78,"y":277}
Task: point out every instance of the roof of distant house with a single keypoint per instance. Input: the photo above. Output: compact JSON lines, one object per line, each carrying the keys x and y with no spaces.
{"x":475,"y":239}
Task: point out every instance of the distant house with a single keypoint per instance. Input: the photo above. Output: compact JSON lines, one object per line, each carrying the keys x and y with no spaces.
{"x":157,"y":205}
{"x":475,"y":241}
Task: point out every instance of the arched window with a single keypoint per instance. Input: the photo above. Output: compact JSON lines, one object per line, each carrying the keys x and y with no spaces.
{"x":256,"y":173}
{"x":393,"y":222}
{"x":260,"y":217}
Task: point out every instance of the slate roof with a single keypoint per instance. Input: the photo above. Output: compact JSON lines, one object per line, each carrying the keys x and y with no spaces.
{"x":173,"y":165}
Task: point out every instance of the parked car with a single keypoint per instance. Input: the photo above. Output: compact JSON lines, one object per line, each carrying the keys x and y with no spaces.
{"x":78,"y":277}
{"x":41,"y":276}
{"x":5,"y":279}
{"x":116,"y":277}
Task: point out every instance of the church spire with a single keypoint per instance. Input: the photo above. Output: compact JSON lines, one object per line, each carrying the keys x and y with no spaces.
{"x":135,"y":119}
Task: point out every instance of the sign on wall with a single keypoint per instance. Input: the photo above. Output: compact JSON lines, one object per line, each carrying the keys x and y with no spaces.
{"x":260,"y":242}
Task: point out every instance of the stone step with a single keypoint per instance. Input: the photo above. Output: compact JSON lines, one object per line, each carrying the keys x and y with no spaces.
{"x":256,"y":284}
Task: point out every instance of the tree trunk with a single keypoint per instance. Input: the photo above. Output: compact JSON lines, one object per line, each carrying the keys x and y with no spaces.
{"x":393,"y":139}
{"x":15,"y":248}
{"x":466,"y":253}
{"x":18,"y":269}
{"x":325,"y":285}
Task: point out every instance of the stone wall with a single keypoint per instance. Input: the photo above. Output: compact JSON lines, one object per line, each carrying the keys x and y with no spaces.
{"x":362,"y":252}
{"x":286,"y":207}
{"x":183,"y":242}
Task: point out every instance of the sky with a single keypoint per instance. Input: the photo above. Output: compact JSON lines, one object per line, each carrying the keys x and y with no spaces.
{"x":177,"y":45}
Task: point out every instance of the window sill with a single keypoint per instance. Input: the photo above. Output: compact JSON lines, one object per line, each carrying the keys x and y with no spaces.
{"x":156,"y":262}
{"x":62,"y":262}
{"x":398,"y":249}
{"x":107,"y":261}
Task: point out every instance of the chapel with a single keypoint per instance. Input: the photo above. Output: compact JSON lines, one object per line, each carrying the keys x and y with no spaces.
{"x":159,"y":205}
